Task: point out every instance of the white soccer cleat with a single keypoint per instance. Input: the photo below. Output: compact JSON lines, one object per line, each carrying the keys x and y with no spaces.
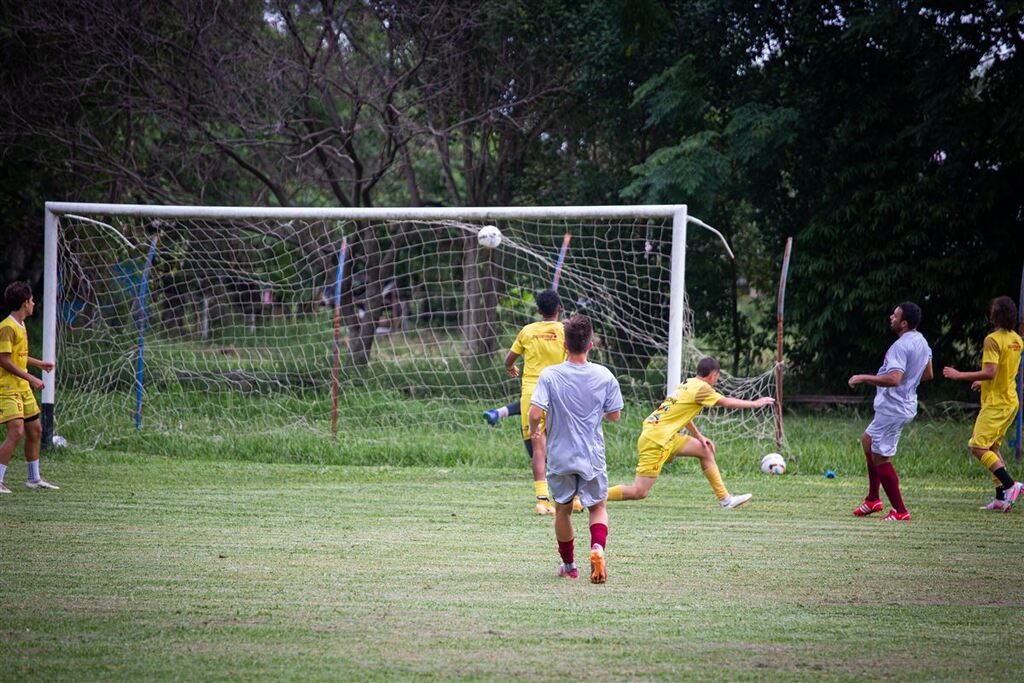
{"x":41,"y":484}
{"x":1013,"y":493}
{"x":730,"y":502}
{"x":4,"y":489}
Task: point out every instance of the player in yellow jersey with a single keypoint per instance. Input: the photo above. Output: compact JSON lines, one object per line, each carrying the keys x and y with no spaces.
{"x":661,"y":441}
{"x":1000,"y":359}
{"x":18,"y":408}
{"x":540,"y":344}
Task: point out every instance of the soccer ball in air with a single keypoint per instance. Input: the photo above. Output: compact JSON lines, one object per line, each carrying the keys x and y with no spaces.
{"x":773,"y":463}
{"x":489,"y":237}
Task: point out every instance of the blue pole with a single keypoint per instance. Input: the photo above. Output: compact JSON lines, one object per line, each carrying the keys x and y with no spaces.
{"x":1020,"y":370}
{"x":337,"y":337}
{"x":141,"y":315}
{"x":561,"y":260}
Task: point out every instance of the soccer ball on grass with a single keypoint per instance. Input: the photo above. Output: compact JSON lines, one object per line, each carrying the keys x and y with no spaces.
{"x":489,"y":237}
{"x":773,"y":463}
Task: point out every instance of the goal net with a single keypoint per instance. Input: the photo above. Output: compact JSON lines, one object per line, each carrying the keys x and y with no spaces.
{"x":210,"y":328}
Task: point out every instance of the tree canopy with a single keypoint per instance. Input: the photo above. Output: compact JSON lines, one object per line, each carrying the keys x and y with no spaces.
{"x":885,"y":137}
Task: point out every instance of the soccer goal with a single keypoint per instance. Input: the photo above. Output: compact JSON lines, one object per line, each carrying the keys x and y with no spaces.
{"x":211,"y":322}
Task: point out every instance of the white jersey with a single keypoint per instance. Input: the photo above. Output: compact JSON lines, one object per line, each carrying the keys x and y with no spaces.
{"x":909,"y":354}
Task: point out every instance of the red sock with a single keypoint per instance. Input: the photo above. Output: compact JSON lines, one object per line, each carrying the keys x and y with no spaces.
{"x":599,"y":535}
{"x":565,"y":549}
{"x":891,"y":484}
{"x":872,"y":479}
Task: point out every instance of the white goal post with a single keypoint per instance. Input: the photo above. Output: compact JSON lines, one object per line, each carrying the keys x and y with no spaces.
{"x":671,"y":219}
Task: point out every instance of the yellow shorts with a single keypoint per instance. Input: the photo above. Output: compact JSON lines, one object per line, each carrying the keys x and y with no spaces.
{"x":524,"y":414}
{"x":651,"y":456}
{"x":991,"y":425}
{"x":18,"y":406}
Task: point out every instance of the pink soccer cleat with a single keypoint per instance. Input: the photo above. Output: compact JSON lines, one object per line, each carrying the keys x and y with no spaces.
{"x":894,"y":516}
{"x":996,"y":505}
{"x":566,"y":573}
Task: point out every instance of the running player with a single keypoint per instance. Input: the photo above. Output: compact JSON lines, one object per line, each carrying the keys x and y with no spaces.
{"x":576,"y":395}
{"x":540,"y":344}
{"x":907,"y":362}
{"x":1000,"y":359}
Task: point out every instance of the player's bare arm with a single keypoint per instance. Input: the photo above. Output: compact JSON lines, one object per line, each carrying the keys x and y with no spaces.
{"x":983,"y":375}
{"x":7,"y":364}
{"x":701,"y":439}
{"x":928,"y":374}
{"x":729,"y":402}
{"x":889,"y":379}
{"x":613,"y":417}
{"x":44,"y":365}
{"x":510,"y":364}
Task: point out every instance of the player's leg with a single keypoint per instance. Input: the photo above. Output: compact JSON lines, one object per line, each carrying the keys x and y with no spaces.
{"x":691,"y":448}
{"x":564,"y":489}
{"x":891,"y":483}
{"x":593,"y":493}
{"x":984,"y":445}
{"x":872,"y":502}
{"x":541,"y":493}
{"x":598,"y":542}
{"x":33,"y":436}
{"x":638,"y":490}
{"x":651,"y":458}
{"x":15,"y":432}
{"x":496,"y":415}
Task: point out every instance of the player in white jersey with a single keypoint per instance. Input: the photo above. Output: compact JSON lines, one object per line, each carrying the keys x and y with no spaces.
{"x":907,"y":362}
{"x":574,"y":397}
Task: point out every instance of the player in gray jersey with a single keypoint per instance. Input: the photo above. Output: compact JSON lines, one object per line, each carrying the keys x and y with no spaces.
{"x":573,"y":397}
{"x":907,"y":362}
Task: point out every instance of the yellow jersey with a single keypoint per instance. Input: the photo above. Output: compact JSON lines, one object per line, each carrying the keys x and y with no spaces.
{"x":540,"y":344}
{"x":1002,"y":347}
{"x":13,"y":340}
{"x":678,"y":408}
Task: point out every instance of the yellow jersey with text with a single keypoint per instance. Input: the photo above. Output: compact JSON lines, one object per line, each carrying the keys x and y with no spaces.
{"x":678,"y":408}
{"x":540,"y":344}
{"x":1002,"y":347}
{"x":13,"y":340}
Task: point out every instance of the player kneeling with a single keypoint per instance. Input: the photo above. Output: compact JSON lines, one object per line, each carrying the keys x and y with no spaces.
{"x":573,"y":397}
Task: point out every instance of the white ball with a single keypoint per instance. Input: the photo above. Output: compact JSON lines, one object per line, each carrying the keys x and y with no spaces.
{"x":489,"y":237}
{"x":773,"y":463}
{"x":59,"y":441}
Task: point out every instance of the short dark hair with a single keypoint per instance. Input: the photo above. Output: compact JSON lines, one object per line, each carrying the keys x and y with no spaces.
{"x":911,"y":314}
{"x":1003,"y":313}
{"x":548,"y":302}
{"x":16,"y":294}
{"x":706,"y":366}
{"x":578,"y":333}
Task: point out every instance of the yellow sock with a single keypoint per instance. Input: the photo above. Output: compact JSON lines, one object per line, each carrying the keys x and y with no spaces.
{"x":988,"y":458}
{"x":715,"y":479}
{"x":615,"y":493}
{"x":540,"y":489}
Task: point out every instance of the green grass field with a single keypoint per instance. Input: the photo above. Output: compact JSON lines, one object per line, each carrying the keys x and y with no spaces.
{"x":148,"y":567}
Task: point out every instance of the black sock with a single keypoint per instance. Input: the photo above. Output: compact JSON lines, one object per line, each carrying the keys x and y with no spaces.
{"x":1004,"y":477}
{"x":999,"y":492}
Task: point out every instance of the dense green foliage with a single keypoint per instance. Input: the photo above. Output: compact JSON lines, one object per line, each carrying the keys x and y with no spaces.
{"x":886,"y":137}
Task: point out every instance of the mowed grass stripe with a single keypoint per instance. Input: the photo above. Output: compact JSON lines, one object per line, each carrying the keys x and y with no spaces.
{"x":169,"y":569}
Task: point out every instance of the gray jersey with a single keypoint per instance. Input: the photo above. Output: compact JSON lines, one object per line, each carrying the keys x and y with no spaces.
{"x":911,"y":355}
{"x":576,"y":398}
